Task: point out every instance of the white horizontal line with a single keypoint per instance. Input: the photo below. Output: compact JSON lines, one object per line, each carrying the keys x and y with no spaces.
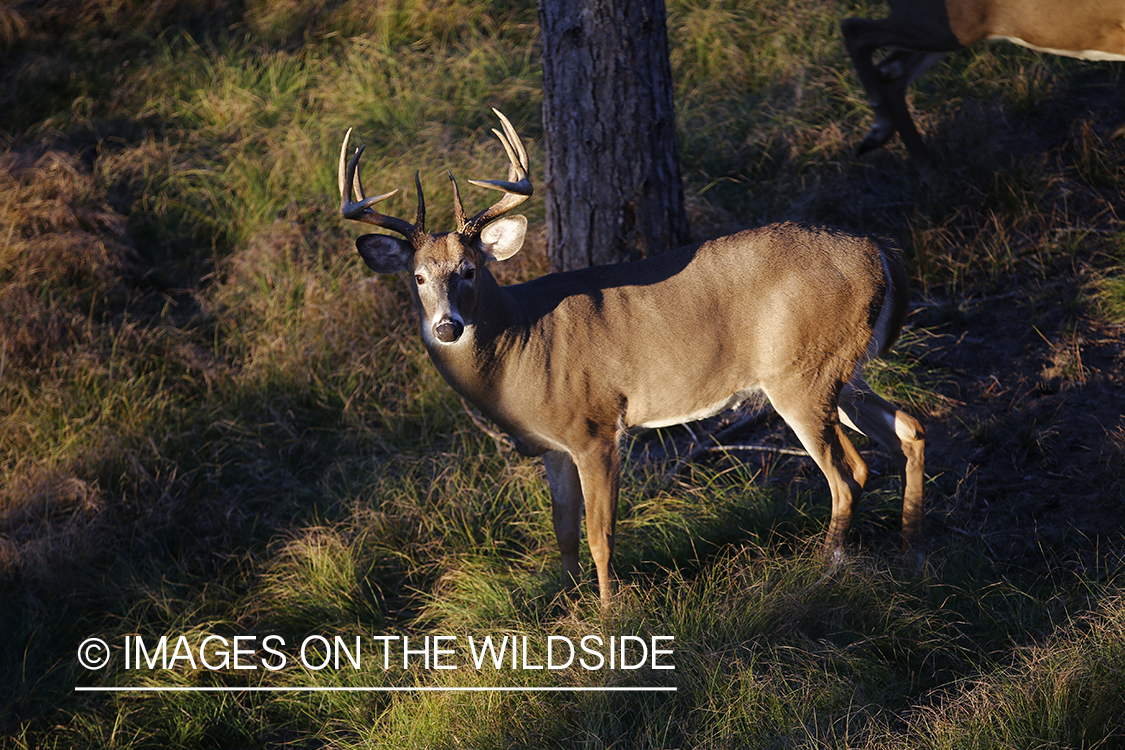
{"x":261,"y":689}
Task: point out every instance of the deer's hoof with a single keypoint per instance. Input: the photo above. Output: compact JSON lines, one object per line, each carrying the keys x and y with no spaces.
{"x":875,"y":138}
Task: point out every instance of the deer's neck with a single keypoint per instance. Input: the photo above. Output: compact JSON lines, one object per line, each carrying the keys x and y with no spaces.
{"x":480,"y":364}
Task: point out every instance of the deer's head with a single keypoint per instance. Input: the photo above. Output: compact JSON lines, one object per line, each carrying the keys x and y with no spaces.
{"x":447,"y":269}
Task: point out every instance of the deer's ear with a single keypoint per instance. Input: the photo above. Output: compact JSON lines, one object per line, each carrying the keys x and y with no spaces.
{"x":503,"y":238}
{"x":384,"y":254}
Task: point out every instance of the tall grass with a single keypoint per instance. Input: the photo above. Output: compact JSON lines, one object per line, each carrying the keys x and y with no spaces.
{"x":215,"y":421}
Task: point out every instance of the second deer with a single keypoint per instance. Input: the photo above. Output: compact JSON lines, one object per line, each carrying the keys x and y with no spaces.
{"x":568,"y":362}
{"x":921,"y":32}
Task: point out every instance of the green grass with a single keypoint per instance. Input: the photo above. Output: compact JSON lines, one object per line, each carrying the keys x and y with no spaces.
{"x":1109,"y":294}
{"x":215,"y":422}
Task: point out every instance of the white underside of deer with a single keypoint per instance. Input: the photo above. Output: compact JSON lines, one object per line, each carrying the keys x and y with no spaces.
{"x":568,"y":362}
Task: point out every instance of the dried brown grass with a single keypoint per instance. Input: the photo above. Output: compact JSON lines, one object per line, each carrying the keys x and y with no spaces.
{"x":65,"y":258}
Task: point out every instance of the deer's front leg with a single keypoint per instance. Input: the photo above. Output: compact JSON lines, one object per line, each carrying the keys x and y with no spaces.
{"x":600,"y":473}
{"x":566,"y":511}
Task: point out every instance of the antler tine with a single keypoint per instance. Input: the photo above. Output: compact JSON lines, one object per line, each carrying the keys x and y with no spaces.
{"x":517,"y":161}
{"x":511,"y":140}
{"x":360,"y":209}
{"x":458,"y":207}
{"x":420,"y":213}
{"x":341,"y":172}
{"x":517,"y":188}
{"x":348,"y":176}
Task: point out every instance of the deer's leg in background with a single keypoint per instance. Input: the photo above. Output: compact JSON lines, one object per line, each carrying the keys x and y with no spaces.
{"x":566,"y":511}
{"x":886,"y":84}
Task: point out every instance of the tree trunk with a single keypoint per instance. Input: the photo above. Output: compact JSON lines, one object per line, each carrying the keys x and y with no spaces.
{"x":612,"y":173}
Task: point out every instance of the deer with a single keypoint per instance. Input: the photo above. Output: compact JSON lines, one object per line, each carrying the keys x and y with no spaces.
{"x":567,"y":363}
{"x":921,"y":32}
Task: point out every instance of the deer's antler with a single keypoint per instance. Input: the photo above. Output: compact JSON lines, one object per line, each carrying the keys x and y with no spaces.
{"x":360,"y":209}
{"x":354,"y":204}
{"x":517,"y":188}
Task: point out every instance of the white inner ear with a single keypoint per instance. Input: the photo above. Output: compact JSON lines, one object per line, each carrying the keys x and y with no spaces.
{"x":504,"y":237}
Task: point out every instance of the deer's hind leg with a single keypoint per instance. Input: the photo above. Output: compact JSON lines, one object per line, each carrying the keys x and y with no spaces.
{"x":901,"y":434}
{"x":818,"y":428}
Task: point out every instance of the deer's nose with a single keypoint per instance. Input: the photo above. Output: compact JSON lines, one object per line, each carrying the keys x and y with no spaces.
{"x":448,"y":330}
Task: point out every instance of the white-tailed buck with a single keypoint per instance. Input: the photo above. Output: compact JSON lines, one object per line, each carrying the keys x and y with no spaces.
{"x":921,"y":32}
{"x":568,"y":362}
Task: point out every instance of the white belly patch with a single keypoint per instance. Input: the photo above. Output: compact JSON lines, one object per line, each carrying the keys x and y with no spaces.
{"x":708,"y":411}
{"x":1082,"y":54}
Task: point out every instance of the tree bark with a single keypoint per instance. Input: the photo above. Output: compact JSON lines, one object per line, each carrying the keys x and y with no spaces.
{"x":612,"y":175}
